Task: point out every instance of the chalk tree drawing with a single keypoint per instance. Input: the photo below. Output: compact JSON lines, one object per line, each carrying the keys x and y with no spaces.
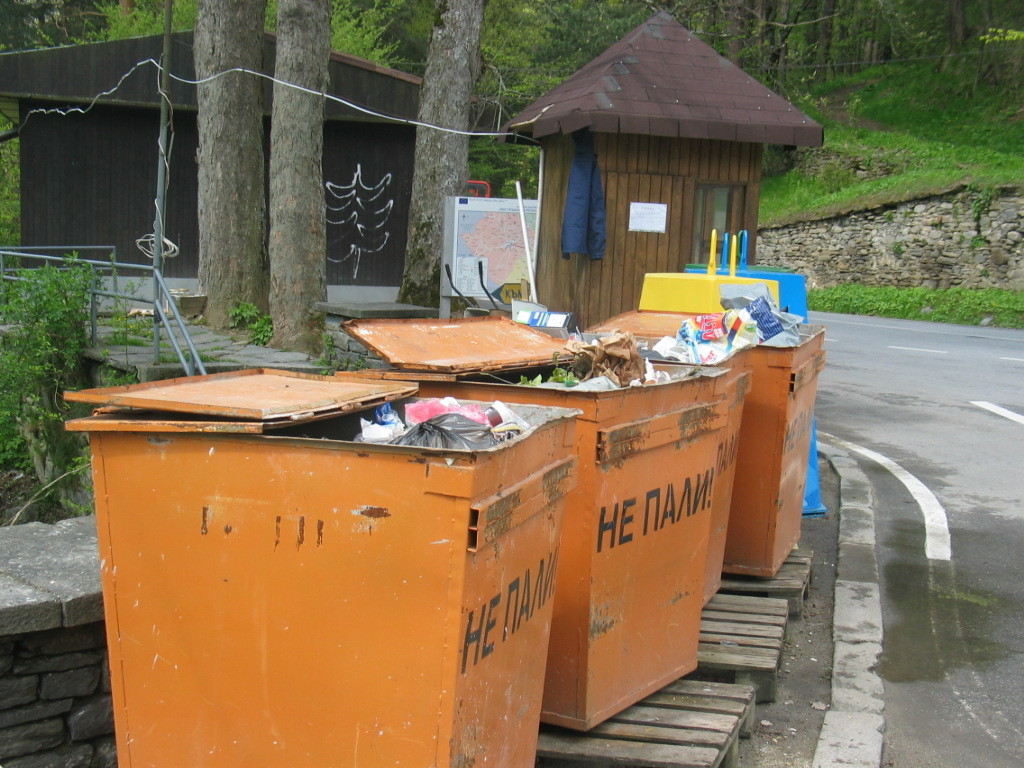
{"x":361,"y":211}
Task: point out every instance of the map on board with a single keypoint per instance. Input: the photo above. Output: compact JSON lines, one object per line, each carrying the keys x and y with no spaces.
{"x":488,"y":232}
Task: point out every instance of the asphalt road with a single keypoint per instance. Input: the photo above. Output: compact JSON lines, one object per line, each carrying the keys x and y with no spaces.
{"x":936,"y":413}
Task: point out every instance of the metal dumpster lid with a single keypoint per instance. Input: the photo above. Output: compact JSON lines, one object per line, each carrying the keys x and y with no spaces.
{"x":457,"y":345}
{"x":258,"y":394}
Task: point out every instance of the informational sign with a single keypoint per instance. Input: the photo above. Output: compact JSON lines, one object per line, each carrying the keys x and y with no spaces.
{"x":484,"y":237}
{"x":648,"y":217}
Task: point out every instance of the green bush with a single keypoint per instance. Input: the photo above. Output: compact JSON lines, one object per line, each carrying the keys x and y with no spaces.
{"x":10,"y":200}
{"x":962,"y":306}
{"x":246,"y":316}
{"x":46,"y":311}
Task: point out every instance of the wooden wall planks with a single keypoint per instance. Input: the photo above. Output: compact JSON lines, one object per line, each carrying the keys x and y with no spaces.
{"x":650,"y":169}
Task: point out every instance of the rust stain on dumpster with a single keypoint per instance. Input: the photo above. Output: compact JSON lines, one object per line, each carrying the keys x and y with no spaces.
{"x":503,"y":506}
{"x":601,"y":624}
{"x":375,"y":513}
{"x":693,"y":420}
{"x":622,"y":443}
{"x":554,"y":480}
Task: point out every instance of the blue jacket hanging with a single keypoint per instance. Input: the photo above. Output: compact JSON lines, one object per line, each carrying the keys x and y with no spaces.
{"x":583,"y":226}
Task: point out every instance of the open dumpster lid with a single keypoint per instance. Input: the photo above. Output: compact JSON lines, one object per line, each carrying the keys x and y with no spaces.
{"x":458,"y":345}
{"x":258,"y":394}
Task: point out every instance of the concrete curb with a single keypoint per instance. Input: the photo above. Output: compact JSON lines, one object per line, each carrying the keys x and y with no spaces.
{"x":852,"y":735}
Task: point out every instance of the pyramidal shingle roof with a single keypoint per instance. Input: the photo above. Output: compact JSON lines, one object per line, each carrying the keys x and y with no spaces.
{"x":661,"y":80}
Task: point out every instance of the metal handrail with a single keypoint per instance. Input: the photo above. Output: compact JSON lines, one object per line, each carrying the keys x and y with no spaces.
{"x":168,"y":300}
{"x":190,"y":361}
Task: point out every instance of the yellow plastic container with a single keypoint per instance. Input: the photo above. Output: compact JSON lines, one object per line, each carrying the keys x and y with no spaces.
{"x":279,"y":596}
{"x":634,"y":546}
{"x":697,"y":294}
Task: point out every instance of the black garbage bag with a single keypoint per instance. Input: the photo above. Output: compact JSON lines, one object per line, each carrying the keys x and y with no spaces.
{"x":449,"y":430}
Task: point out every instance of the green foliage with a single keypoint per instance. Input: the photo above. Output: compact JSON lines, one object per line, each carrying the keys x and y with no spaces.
{"x":358,"y":28}
{"x":40,"y":358}
{"x":262,"y":331}
{"x":10,"y":197}
{"x":503,"y":164}
{"x":835,"y":177}
{"x":1003,"y":36}
{"x":130,"y":331}
{"x":558,"y":375}
{"x":332,"y":360}
{"x":362,"y":30}
{"x":115,"y":377}
{"x":981,"y":200}
{"x":39,"y":23}
{"x":953,"y":305}
{"x":925,"y":136}
{"x":146,"y":18}
{"x":246,"y":316}
{"x":527,"y":49}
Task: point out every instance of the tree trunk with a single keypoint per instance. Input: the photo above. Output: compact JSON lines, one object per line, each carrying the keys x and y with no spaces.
{"x":298,"y":240}
{"x":825,"y":28}
{"x":957,"y":24}
{"x":736,"y":33}
{"x":442,"y":159}
{"x":232,"y":207}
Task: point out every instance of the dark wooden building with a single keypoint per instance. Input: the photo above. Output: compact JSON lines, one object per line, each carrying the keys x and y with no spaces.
{"x":676,"y":128}
{"x":89,"y":126}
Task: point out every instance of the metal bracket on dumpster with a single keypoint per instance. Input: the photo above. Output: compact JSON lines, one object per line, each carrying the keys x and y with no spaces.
{"x":683,"y":425}
{"x":492,"y":517}
{"x":806,"y":372}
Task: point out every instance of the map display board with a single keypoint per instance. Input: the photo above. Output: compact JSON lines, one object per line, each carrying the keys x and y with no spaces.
{"x":486,"y":233}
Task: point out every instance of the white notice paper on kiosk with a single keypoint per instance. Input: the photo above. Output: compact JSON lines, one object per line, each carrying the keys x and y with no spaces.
{"x":647,"y":217}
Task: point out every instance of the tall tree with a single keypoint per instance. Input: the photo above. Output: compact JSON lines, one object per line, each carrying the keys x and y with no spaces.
{"x":736,"y":32}
{"x":825,"y":27}
{"x":298,"y":243}
{"x":232,"y":207}
{"x":957,"y":24}
{"x":453,"y":66}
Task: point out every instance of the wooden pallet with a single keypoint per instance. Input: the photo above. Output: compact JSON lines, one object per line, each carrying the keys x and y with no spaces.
{"x":687,"y":724}
{"x":741,"y":642}
{"x":792,"y":582}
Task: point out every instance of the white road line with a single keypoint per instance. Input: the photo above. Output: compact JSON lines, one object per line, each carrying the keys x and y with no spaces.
{"x":936,"y":525}
{"x":1013,"y":359}
{"x":916,"y":349}
{"x":1005,"y":413}
{"x":921,"y":326}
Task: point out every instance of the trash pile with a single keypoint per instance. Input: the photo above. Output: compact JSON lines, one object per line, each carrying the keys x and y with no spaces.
{"x":443,"y":423}
{"x":750,"y":318}
{"x":605,"y":363}
{"x":614,"y":357}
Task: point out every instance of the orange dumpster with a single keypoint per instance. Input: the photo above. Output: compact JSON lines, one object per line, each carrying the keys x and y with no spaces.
{"x":737,"y":384}
{"x":771,"y":463}
{"x":277,"y":595}
{"x":634,"y":544}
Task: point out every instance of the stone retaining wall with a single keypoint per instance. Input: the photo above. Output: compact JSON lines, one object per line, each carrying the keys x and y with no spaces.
{"x":55,"y":704}
{"x":967,"y":238}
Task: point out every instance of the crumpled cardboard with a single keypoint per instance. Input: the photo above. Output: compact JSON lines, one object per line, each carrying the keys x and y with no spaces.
{"x":615,"y":356}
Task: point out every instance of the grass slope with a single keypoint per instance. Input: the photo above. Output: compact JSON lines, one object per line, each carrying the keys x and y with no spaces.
{"x":898,"y":132}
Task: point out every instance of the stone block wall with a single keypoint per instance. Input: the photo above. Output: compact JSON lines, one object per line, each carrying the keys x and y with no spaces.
{"x":55,"y":704}
{"x":965,"y":238}
{"x":349,"y":353}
